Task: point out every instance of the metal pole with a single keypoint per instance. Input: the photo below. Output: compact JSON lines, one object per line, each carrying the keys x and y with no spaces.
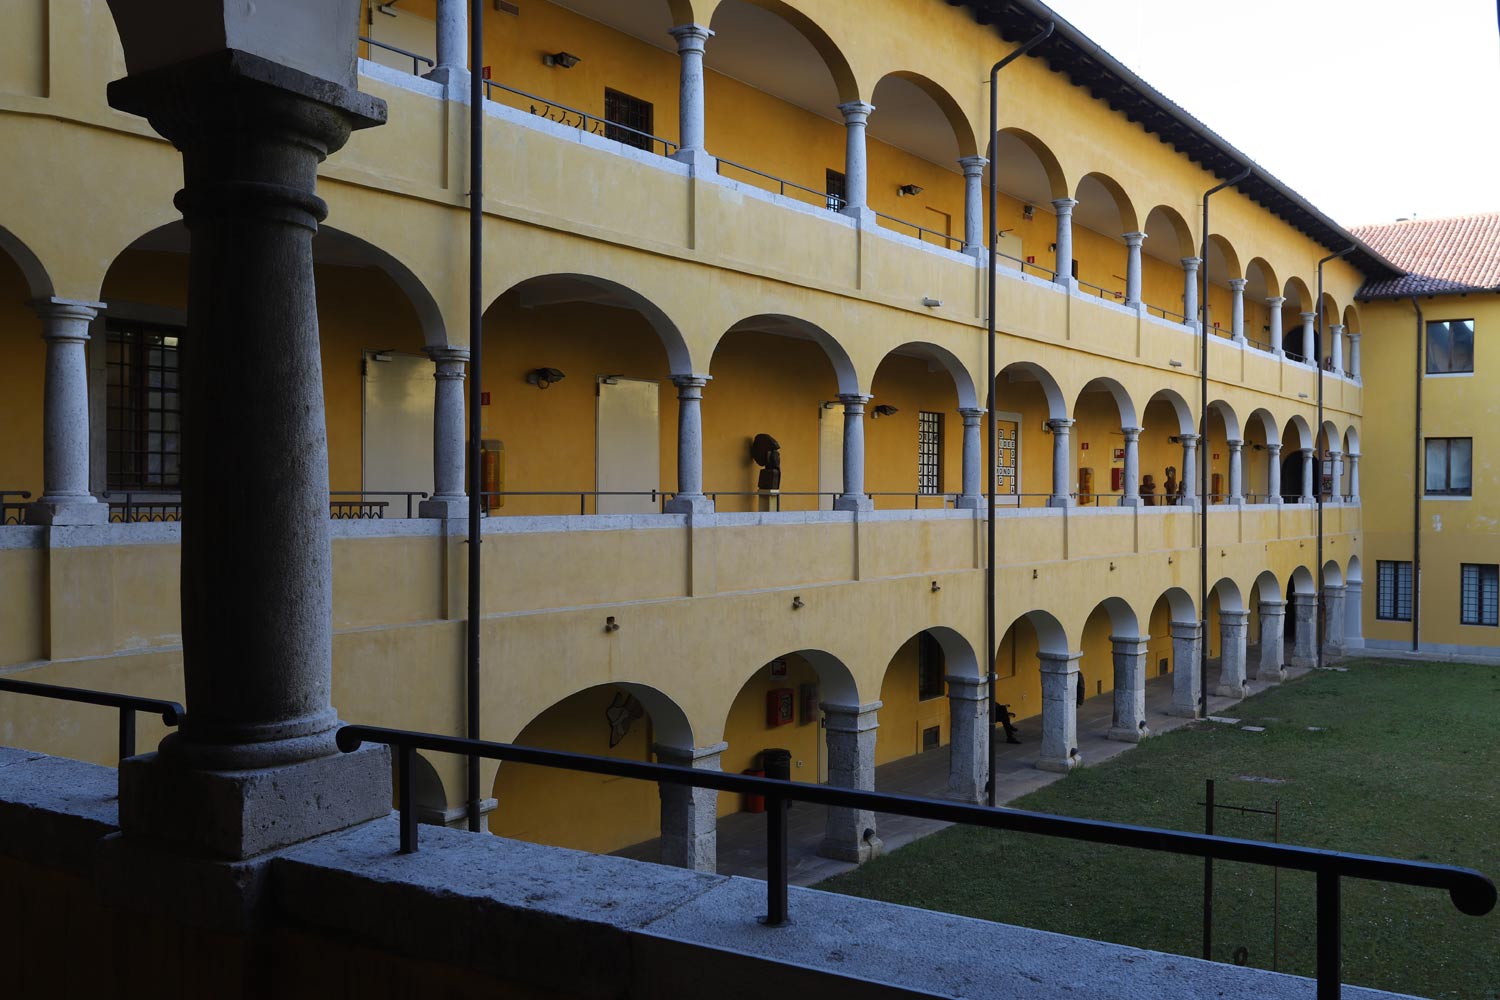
{"x":1320,"y":618}
{"x":1208,"y":875}
{"x":1276,"y":891}
{"x":1329,"y":919}
{"x":990,"y":638}
{"x":1203,"y":449}
{"x":476,"y":381}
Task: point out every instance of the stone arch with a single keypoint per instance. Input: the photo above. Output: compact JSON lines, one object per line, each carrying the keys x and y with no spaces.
{"x":1260,"y":279}
{"x":800,"y":329}
{"x":1298,"y":297}
{"x":1351,"y":441}
{"x":1185,"y":422}
{"x":962,"y":130}
{"x":1355,"y":572}
{"x":1168,"y":236}
{"x":1027,"y":168}
{"x":1231,"y":419}
{"x":557,"y":288}
{"x":1298,"y":427}
{"x":1223,"y":262}
{"x":1124,"y":623}
{"x":1262,"y":417}
{"x":1030,"y":371}
{"x":1228,"y":594}
{"x":1093,"y":215}
{"x":963,"y":382}
{"x":1301,"y":581}
{"x":331,"y":240}
{"x":1333,"y":574}
{"x":1331,"y":313}
{"x":1051,"y":636}
{"x":1128,"y":414}
{"x":1181,"y":603}
{"x":837,"y":680}
{"x":1329,"y":437}
{"x":1267,"y":587}
{"x":1351,"y":318}
{"x":730,"y":17}
{"x":38,"y":281}
{"x":959,"y":657}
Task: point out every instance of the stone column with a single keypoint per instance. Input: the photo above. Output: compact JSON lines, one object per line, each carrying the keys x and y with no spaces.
{"x":448,"y":435}
{"x":1354,"y":369}
{"x":1272,"y":642}
{"x":1129,"y":725}
{"x":1273,"y":473}
{"x":1189,"y":469}
{"x":1309,"y":484}
{"x":1309,"y":339}
{"x":853,"y":497}
{"x":973,"y":168}
{"x":1354,"y":478}
{"x":1234,"y":628}
{"x":1335,"y":495}
{"x":1274,"y":304}
{"x":973,"y":496}
{"x":65,"y":495}
{"x":1132,"y":494}
{"x":850,"y":833}
{"x":1236,"y":471}
{"x":689,"y":498}
{"x":1304,"y":631}
{"x":1336,"y":345}
{"x":1354,"y":633}
{"x":692,"y":148}
{"x":1063,"y":261}
{"x":1237,"y":308}
{"x":1062,"y":464}
{"x":1190,"y":288}
{"x":255,"y":766}
{"x":856,"y":170}
{"x":1133,"y":243}
{"x":1059,"y":712}
{"x":969,"y":719}
{"x":1333,"y":620}
{"x":1186,"y":684}
{"x":452,"y":48}
{"x":690,"y":816}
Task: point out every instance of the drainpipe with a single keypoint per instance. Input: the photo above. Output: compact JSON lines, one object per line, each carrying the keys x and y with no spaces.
{"x":1416,"y":493}
{"x":476,"y":383}
{"x":990,"y":638}
{"x":1321,"y":618}
{"x":1203,"y":453}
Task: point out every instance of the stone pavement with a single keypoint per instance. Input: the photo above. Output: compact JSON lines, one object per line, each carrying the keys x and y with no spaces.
{"x":742,"y":836}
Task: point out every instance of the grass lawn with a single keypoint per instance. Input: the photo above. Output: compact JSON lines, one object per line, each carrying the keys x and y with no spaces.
{"x":1405,"y":762}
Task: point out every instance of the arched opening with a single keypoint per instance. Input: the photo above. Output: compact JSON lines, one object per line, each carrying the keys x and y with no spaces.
{"x":1173,"y":649}
{"x":1260,"y":434}
{"x":1037,"y":682}
{"x":1296,"y":312}
{"x":1296,"y":441}
{"x":1114,"y":665}
{"x":1260,"y":285}
{"x":1100,"y":220}
{"x":578,"y":371}
{"x":1227,"y":638}
{"x":1168,"y":241}
{"x":1268,"y":630}
{"x":923,"y":711}
{"x":914,"y":441}
{"x":590,"y":812}
{"x":1165,"y":420}
{"x":23,"y":364}
{"x":1223,"y":427}
{"x":1100,"y":413}
{"x":780,"y":376}
{"x":1223,"y":264}
{"x":1026,"y":398}
{"x":1348,"y":486}
{"x":1328,"y":466}
{"x":917,"y":134}
{"x":1029,"y":178}
{"x":1300,"y":633}
{"x":1329,"y":338}
{"x":1354,"y":630}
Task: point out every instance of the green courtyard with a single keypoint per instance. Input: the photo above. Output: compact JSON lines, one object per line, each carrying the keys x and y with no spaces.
{"x":1392,"y":758}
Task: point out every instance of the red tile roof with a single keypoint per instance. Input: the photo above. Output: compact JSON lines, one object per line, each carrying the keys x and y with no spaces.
{"x":1442,"y":255}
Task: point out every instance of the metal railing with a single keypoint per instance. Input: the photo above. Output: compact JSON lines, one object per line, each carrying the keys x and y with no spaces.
{"x":1471,"y":892}
{"x":170,"y":711}
{"x":12,"y":512}
{"x":1264,"y":346}
{"x":1104,"y":293}
{"x":832,"y":202}
{"x":416,"y":60}
{"x":408,"y":494}
{"x":923,"y":232}
{"x":1043,"y":272}
{"x":143,"y":507}
{"x":658,"y":497}
{"x":1166,"y":314}
{"x":579,"y":119}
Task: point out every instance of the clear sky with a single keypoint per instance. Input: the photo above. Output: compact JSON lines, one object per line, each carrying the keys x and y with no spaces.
{"x":1370,"y":109}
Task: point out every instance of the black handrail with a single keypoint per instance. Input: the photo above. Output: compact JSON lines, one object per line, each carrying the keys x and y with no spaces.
{"x":832,"y":202}
{"x":11,"y":512}
{"x":1471,"y":891}
{"x":922,"y":231}
{"x":170,"y":711}
{"x":408,"y":494}
{"x":415,"y":59}
{"x":601,"y":126}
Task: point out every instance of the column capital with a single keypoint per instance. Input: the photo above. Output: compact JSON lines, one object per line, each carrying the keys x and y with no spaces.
{"x":1186,"y":630}
{"x":1059,"y":425}
{"x":1308,"y":317}
{"x":854,"y":402}
{"x":856,"y":112}
{"x":80,"y":312}
{"x":690,"y":37}
{"x":851,"y":718}
{"x":1130,"y":645}
{"x":691,"y":381}
{"x":973,"y":166}
{"x":1190,"y":264}
{"x":1188,"y":440}
{"x":447,"y":355}
{"x":1336,"y":589}
{"x":1274,"y":447}
{"x":1305,"y":452}
{"x":1273,"y":607}
{"x":1335,"y":454}
{"x":1131,"y":433}
{"x":1064,"y":206}
{"x":1235,"y":445}
{"x":1233,"y":618}
{"x":1353,"y":335}
{"x":1059,"y":663}
{"x":1276,"y":301}
{"x":972,"y":414}
{"x":967,"y":688}
{"x":1336,"y":328}
{"x":689,"y":756}
{"x":1134,"y":239}
{"x":1237,"y":284}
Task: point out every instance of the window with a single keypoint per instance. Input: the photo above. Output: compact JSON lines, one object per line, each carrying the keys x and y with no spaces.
{"x":1448,"y":466}
{"x":929,"y":452}
{"x":1479,"y":603}
{"x":1450,"y":346}
{"x":143,"y":410}
{"x":1393,"y":591}
{"x":628,"y":119}
{"x":833,"y":184}
{"x":929,"y":667}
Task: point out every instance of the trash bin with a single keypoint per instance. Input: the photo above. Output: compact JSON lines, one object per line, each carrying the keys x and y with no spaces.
{"x":755,"y":803}
{"x":777,"y":763}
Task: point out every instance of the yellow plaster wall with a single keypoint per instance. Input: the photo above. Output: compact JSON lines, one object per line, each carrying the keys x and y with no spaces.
{"x":911,"y":386}
{"x":746,"y":731}
{"x":903,"y":715}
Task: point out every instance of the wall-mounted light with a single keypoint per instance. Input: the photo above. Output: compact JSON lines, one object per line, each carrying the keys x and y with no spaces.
{"x":884,"y":410}
{"x":1052,"y":248}
{"x":829,"y":404}
{"x":1028,"y":212}
{"x":798,"y":604}
{"x":936,"y":586}
{"x":930,"y":302}
{"x":544,"y":377}
{"x":610,"y":625}
{"x":610,"y":379}
{"x":909,"y":191}
{"x":561,"y":60}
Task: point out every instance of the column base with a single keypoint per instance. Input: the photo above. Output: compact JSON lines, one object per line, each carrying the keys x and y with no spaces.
{"x":842,"y":850}
{"x":1230,"y":691}
{"x":970,"y":503}
{"x":862,"y":215}
{"x":1060,"y":766}
{"x":1236,"y":501}
{"x":1061,"y":502}
{"x":236,"y":815}
{"x":1179,"y":712}
{"x":684,"y":504}
{"x":971,"y":796}
{"x":698,"y":160}
{"x":1271,"y":676}
{"x":455,"y":78}
{"x":447,"y":508}
{"x":67,"y":511}
{"x":1124,"y":734}
{"x":850,"y":501}
{"x":1130,"y":502}
{"x":1302,"y":662}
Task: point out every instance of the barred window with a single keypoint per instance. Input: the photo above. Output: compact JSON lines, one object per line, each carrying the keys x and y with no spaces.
{"x":1479,"y":602}
{"x":1449,"y":466}
{"x":1393,"y":591}
{"x":143,"y":409}
{"x":833,"y":186}
{"x":628,"y":119}
{"x":930,"y":667}
{"x":1450,"y":346}
{"x":929,"y":452}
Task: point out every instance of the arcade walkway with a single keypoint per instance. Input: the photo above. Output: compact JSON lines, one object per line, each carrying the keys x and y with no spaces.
{"x":742,"y":836}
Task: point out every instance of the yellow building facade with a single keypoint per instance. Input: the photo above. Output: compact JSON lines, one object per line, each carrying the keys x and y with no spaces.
{"x":706,"y":222}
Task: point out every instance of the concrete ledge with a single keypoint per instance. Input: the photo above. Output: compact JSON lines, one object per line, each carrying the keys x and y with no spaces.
{"x":54,"y":810}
